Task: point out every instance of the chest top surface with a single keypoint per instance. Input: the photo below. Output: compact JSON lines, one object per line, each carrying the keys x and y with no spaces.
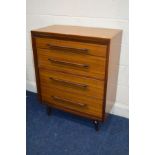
{"x":79,"y":31}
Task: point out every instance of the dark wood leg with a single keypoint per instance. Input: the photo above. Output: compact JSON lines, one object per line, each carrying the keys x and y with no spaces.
{"x":96,"y":124}
{"x":49,"y":110}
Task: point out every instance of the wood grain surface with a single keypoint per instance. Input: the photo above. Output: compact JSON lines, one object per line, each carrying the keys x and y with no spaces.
{"x":79,"y":85}
{"x":72,"y":63}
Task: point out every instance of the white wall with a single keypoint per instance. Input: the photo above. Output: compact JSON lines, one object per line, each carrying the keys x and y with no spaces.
{"x":94,"y":13}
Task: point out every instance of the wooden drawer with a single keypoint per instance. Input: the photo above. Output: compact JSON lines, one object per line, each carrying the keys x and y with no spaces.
{"x":73,"y":84}
{"x":70,"y":46}
{"x":86,"y":65}
{"x":72,"y":101}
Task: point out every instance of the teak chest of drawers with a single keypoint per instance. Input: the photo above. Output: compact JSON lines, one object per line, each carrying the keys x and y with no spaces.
{"x":77,"y":68}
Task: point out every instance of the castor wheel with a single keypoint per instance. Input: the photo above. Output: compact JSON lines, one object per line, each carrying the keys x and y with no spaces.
{"x":96,"y":125}
{"x":49,"y":111}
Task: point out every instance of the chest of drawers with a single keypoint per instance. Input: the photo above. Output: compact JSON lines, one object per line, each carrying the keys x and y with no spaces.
{"x":77,"y":68}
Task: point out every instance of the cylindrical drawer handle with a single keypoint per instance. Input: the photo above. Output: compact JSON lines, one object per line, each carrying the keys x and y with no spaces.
{"x":68,"y":63}
{"x":69,"y":101}
{"x":81,"y":50}
{"x":68,"y":82}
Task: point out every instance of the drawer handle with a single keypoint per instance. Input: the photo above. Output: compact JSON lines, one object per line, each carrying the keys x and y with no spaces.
{"x":69,"y":101}
{"x":81,"y":50}
{"x":69,"y":63}
{"x":71,"y":83}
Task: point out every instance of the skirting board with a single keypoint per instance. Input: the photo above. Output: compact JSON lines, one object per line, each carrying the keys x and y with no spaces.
{"x":118,"y":109}
{"x":31,"y":86}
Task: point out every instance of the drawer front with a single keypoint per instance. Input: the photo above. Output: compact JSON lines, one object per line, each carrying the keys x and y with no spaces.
{"x":70,"y":46}
{"x":85,"y":65}
{"x":73,"y":84}
{"x":72,"y":101}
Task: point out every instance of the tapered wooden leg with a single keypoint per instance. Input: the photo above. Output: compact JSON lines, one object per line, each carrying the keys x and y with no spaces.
{"x":96,"y":125}
{"x":49,"y":110}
